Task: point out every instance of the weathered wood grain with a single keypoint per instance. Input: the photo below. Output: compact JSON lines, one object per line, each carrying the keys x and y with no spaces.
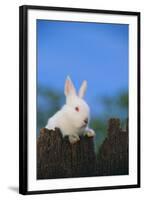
{"x":57,"y":158}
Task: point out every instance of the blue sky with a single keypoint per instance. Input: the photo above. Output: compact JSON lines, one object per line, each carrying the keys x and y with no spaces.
{"x":92,"y":51}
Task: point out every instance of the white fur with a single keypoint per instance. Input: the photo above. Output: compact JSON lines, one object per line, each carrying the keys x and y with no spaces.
{"x":68,"y":120}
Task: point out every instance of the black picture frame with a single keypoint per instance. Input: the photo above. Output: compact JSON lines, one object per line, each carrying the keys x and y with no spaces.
{"x":23,"y":97}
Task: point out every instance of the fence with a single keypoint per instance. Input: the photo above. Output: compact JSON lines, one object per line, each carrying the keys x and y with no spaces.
{"x":57,"y":158}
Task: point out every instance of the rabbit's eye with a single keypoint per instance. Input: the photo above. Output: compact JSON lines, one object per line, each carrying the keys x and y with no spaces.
{"x":77,"y":109}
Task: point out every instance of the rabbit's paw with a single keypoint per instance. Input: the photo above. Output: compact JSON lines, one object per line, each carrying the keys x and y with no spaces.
{"x":73,"y":139}
{"x":90,"y":133}
{"x":51,"y":128}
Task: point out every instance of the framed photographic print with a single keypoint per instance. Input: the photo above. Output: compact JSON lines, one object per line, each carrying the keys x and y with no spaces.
{"x":79,"y":99}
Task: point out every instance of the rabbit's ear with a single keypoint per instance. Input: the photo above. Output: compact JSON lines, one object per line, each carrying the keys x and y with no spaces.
{"x":82,"y":89}
{"x":69,"y":87}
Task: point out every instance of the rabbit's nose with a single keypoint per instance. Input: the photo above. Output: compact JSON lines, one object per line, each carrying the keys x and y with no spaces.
{"x":86,"y":121}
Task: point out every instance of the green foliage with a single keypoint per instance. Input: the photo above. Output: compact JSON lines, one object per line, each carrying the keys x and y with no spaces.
{"x":114,"y":106}
{"x":122,"y":100}
{"x":49,"y":101}
{"x":99,"y":125}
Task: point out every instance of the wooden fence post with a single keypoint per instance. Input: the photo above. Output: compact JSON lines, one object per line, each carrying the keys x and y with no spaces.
{"x":113,"y":154}
{"x":57,"y":158}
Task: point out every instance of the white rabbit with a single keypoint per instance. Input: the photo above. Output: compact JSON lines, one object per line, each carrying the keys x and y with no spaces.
{"x":74,"y":116}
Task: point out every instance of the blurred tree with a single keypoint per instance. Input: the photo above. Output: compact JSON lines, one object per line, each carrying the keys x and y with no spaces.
{"x":49,"y":101}
{"x":113,"y":106}
{"x":122,"y":100}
